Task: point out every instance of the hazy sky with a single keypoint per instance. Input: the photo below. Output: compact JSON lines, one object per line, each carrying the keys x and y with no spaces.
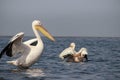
{"x":61,"y":17}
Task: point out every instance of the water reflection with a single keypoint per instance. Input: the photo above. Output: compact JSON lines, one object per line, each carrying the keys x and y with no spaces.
{"x":34,"y":72}
{"x":16,"y":74}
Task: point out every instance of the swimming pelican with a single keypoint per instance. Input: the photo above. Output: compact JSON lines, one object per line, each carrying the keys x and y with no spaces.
{"x":68,"y":51}
{"x":29,"y":53}
{"x":73,"y":56}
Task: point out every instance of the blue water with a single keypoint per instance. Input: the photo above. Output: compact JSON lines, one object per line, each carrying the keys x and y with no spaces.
{"x":103,"y":64}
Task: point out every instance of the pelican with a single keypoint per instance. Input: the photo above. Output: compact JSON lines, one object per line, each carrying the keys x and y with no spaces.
{"x":29,"y":53}
{"x":72,"y":55}
{"x":68,"y":51}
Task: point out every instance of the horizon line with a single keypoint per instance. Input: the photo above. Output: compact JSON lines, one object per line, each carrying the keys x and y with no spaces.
{"x":66,"y":36}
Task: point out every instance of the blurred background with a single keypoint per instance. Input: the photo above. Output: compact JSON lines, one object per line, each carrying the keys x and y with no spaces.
{"x":91,"y":18}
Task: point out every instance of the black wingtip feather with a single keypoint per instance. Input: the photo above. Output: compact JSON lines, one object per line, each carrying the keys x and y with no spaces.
{"x":7,"y":50}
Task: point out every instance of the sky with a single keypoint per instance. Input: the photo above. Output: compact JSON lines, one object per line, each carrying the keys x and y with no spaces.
{"x":91,"y":18}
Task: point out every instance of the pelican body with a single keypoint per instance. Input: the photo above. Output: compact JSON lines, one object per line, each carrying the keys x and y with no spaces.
{"x":68,"y":51}
{"x":79,"y":56}
{"x":72,"y":56}
{"x":29,"y":53}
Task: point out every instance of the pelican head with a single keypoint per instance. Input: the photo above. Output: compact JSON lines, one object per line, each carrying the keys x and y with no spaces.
{"x":36,"y":23}
{"x":38,"y":26}
{"x":83,"y":52}
{"x":72,"y":45}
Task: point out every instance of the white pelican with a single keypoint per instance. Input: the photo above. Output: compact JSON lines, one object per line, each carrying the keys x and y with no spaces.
{"x":29,"y":53}
{"x":73,"y":56}
{"x":70,"y":50}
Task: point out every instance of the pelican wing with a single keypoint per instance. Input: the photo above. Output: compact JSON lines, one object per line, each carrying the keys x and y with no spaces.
{"x":67,"y":51}
{"x":83,"y":51}
{"x":32,"y":42}
{"x":13,"y":45}
{"x":7,"y":50}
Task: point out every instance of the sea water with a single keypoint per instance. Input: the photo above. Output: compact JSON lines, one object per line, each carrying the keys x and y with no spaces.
{"x":103,"y":64}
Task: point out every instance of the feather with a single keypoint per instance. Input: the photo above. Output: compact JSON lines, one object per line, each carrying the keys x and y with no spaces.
{"x":7,"y":50}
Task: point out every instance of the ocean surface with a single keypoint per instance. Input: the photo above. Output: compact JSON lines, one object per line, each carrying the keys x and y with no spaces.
{"x":103,"y":64}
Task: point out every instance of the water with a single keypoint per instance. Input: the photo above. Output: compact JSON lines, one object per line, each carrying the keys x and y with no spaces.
{"x":103,"y":64}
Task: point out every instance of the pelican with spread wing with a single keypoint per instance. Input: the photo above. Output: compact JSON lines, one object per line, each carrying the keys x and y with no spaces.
{"x":29,"y":53}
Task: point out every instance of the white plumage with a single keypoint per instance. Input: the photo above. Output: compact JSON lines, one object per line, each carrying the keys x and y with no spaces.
{"x":83,"y":51}
{"x":29,"y":53}
{"x":70,"y":50}
{"x":72,"y":55}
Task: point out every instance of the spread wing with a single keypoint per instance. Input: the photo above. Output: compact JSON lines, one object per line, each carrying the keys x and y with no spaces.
{"x":13,"y":46}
